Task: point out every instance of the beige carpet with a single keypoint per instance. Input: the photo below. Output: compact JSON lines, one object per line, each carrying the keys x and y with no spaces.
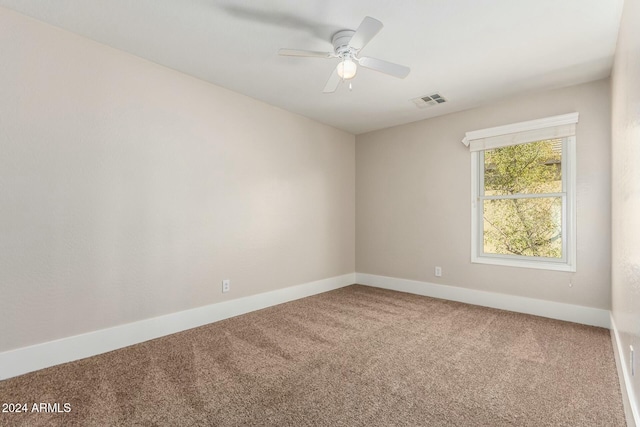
{"x":357,"y":356}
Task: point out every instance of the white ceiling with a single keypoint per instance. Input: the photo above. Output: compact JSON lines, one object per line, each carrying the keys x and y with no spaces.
{"x":471,"y":51}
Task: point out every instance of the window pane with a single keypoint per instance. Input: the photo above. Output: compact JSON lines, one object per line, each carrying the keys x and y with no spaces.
{"x":535,"y":167}
{"x":523,"y":226}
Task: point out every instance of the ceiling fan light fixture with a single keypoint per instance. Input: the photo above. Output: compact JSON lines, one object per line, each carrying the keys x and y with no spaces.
{"x":347,"y":69}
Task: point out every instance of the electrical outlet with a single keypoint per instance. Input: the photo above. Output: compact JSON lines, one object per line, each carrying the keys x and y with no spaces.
{"x":438,"y":271}
{"x":226,"y":285}
{"x":631,"y":361}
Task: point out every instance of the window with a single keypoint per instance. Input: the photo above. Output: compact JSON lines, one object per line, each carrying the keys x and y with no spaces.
{"x":523,"y":194}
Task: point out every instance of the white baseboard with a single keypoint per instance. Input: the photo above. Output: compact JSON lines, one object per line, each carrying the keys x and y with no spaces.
{"x":631,"y":410}
{"x":553,"y":310}
{"x":39,"y":356}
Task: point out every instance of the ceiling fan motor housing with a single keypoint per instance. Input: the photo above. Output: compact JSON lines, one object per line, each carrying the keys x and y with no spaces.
{"x":341,"y":41}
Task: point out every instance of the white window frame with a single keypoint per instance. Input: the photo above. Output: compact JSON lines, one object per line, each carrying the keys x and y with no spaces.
{"x":520,"y":133}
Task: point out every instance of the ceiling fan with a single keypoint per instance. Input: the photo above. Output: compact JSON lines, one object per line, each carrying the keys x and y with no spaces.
{"x":347,"y":45}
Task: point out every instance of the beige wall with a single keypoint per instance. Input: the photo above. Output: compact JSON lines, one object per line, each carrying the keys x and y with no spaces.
{"x":413,"y":186}
{"x":626,"y":187}
{"x":128,"y":190}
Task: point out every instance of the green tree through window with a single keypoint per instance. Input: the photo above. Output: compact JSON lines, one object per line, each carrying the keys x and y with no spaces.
{"x":521,"y":196}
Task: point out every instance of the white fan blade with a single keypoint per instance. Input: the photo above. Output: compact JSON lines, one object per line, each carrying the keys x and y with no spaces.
{"x":390,"y":68}
{"x":368,"y":28}
{"x":333,"y":82}
{"x":306,"y":53}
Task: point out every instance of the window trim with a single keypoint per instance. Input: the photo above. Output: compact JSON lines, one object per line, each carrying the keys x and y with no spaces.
{"x":568,"y":263}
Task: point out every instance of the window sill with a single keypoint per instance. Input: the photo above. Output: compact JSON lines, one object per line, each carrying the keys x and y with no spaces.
{"x":539,"y":265}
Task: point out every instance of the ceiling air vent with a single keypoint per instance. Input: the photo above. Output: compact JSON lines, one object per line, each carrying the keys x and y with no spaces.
{"x":429,"y":100}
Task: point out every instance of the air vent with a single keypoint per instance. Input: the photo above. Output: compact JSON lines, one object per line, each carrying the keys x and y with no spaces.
{"x":429,"y":100}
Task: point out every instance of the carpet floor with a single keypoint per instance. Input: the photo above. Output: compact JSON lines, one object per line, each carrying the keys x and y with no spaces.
{"x":356,"y":356}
